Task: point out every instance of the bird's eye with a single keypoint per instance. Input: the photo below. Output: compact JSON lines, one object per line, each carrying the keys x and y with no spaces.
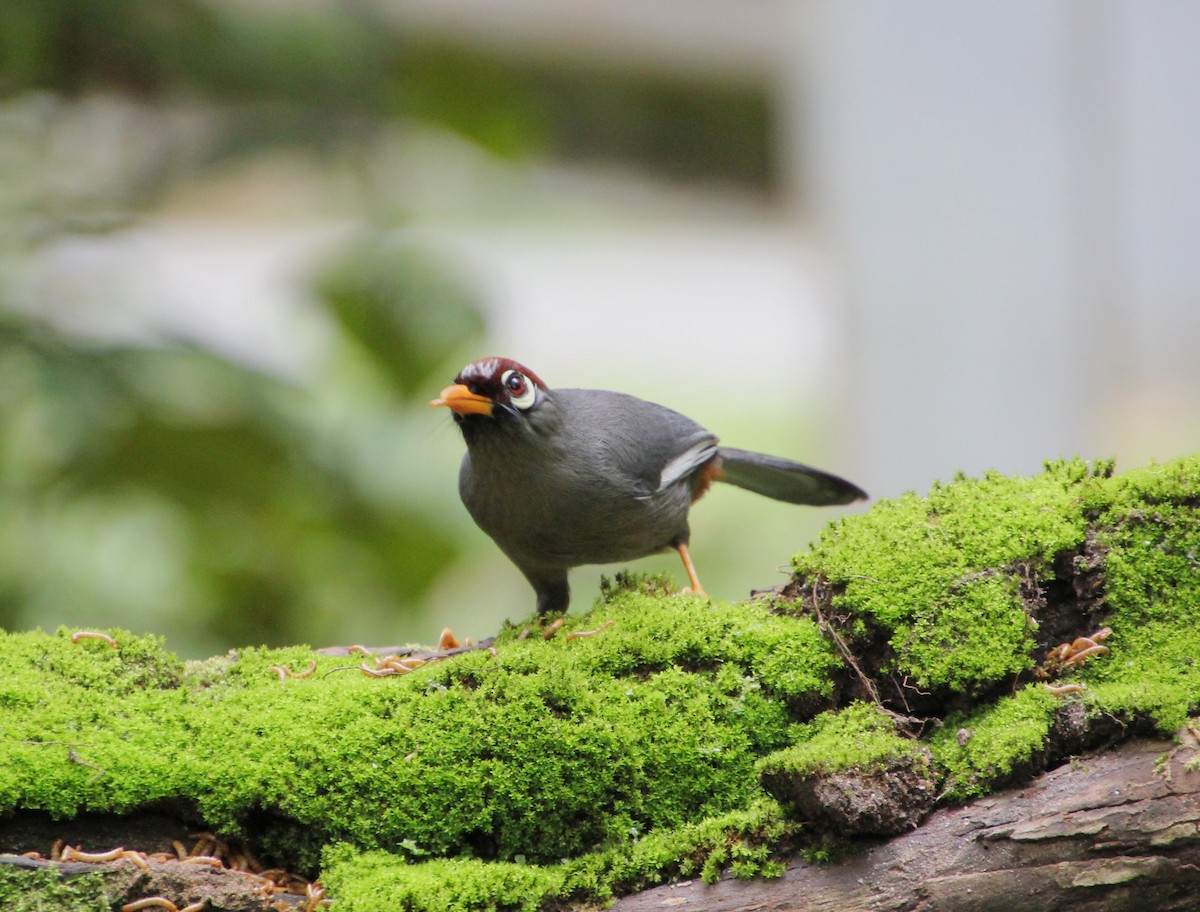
{"x":521,"y":392}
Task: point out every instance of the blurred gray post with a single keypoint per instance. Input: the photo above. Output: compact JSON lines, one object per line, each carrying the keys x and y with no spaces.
{"x":1011,"y":196}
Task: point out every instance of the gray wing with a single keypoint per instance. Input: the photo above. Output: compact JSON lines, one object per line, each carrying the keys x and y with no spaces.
{"x":649,"y":447}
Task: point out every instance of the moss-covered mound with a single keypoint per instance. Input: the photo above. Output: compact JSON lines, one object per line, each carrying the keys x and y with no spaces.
{"x":909,"y":656}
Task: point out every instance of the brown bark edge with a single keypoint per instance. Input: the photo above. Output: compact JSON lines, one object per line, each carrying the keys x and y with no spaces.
{"x":1113,"y":832}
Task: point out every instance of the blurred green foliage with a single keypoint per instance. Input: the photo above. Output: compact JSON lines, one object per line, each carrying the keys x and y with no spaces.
{"x":166,"y":488}
{"x":209,"y":498}
{"x":317,"y":74}
{"x":404,"y":309}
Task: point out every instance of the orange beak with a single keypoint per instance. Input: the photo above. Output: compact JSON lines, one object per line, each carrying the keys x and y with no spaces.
{"x":462,"y":400}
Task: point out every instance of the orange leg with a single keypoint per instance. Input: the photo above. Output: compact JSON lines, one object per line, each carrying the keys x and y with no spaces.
{"x":682,"y":548}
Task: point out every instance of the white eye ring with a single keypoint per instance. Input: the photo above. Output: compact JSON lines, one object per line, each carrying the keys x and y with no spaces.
{"x":521,"y":392}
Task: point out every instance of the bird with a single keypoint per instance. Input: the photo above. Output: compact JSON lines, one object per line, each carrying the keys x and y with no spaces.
{"x":560,"y":478}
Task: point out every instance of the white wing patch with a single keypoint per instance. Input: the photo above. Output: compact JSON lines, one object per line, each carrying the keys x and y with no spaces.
{"x":685,"y":462}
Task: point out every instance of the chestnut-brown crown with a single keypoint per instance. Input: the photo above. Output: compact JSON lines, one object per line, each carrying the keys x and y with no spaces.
{"x":503,"y":380}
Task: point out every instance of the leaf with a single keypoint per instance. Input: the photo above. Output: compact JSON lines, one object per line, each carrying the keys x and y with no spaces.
{"x":405,"y":308}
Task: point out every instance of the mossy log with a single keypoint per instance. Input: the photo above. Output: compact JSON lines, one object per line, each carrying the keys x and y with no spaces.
{"x":1112,"y":832}
{"x":926,"y":654}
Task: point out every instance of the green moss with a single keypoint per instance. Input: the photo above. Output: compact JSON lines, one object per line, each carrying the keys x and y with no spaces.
{"x":743,"y":842}
{"x":535,"y":752}
{"x":978,"y":751}
{"x":23,"y":890}
{"x":369,"y":881}
{"x":1147,"y":522}
{"x":786,"y":655}
{"x":570,"y":771}
{"x":860,"y":736}
{"x":941,"y":575}
{"x":945,"y":580}
{"x":977,"y":635}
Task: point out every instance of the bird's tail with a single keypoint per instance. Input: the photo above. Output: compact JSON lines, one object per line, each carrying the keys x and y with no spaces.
{"x":785,"y":480}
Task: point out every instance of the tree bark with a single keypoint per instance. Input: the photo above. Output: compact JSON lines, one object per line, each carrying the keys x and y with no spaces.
{"x":1116,"y":831}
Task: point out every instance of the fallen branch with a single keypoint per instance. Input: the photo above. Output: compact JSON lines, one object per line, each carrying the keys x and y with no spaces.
{"x":1118,"y":831}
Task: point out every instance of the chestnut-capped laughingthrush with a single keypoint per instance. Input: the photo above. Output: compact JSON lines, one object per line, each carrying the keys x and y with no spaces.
{"x":565,"y":477}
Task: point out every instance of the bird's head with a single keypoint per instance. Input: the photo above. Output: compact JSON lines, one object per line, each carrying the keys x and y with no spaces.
{"x":492,"y":389}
